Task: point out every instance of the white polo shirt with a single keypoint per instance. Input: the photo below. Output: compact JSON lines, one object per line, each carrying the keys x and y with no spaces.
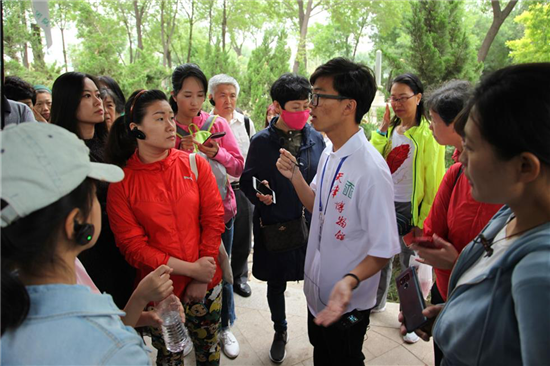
{"x":352,"y":218}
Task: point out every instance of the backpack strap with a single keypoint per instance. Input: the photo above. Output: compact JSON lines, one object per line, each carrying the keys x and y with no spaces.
{"x":207,"y":126}
{"x":180,"y":132}
{"x":458,"y":175}
{"x":193,"y":163}
{"x":247,"y":125}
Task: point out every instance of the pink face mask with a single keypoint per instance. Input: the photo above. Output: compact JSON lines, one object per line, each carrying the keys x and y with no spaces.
{"x":295,"y":120}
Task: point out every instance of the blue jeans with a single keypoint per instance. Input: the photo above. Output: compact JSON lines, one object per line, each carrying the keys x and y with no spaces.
{"x":228,"y":304}
{"x":276,"y":301}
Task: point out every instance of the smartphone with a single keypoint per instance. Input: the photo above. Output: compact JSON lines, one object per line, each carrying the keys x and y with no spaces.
{"x":215,"y":135}
{"x":411,"y":300}
{"x":262,"y":188}
{"x":425,"y":241}
{"x":348,"y":320}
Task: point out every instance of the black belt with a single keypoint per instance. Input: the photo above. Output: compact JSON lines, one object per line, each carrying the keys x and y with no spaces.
{"x":235,"y":186}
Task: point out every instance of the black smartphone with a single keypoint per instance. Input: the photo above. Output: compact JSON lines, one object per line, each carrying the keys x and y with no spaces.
{"x":215,"y":135}
{"x":348,"y":320}
{"x":262,"y":188}
{"x":411,"y":299}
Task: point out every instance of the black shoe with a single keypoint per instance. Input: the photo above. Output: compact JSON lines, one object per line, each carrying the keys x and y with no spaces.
{"x":277,"y":353}
{"x":242,"y":289}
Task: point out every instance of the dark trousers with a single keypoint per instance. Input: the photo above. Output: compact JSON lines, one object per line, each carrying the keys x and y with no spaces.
{"x":242,"y":238}
{"x":228,"y":302}
{"x":437,"y":299}
{"x":335,"y":346}
{"x":276,"y":301}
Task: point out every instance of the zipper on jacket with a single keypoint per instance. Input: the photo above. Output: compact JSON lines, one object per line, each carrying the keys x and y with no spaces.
{"x":415,"y":161}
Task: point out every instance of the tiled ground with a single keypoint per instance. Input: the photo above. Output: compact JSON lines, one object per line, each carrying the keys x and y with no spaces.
{"x":254,"y":331}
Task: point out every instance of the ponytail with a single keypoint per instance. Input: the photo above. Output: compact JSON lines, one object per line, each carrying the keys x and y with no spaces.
{"x":15,"y":299}
{"x":120,"y":143}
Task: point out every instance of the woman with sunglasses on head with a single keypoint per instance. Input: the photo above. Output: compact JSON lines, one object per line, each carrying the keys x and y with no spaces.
{"x":188,"y":95}
{"x":77,"y":106}
{"x":165,"y":212}
{"x":417,"y":165}
{"x":50,"y":214}
{"x":499,"y":291}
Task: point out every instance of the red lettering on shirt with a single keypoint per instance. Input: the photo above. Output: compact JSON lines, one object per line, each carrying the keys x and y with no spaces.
{"x":340,"y":206}
{"x":341,"y":221}
{"x":340,"y":235}
{"x":339,"y":176}
{"x":335,"y":191}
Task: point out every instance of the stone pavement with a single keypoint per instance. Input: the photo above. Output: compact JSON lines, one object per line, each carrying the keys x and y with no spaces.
{"x":254,"y":331}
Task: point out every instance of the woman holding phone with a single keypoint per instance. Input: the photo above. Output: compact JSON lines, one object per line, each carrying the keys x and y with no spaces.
{"x":499,"y":291}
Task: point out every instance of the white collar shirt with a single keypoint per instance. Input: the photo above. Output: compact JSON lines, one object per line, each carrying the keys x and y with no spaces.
{"x":351,"y":220}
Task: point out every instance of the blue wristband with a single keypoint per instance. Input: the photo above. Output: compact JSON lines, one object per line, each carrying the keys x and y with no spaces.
{"x":381,"y":133}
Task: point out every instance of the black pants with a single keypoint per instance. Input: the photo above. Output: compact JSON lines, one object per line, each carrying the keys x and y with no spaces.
{"x":334,"y":346}
{"x":242,"y":238}
{"x":437,"y":299}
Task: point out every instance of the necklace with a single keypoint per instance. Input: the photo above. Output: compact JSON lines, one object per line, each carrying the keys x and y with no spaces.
{"x":488,"y":243}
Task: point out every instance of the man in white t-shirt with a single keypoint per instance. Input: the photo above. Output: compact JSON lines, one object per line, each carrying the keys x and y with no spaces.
{"x":223,"y":92}
{"x":353,"y":232}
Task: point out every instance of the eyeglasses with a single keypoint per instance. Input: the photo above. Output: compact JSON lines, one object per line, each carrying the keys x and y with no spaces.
{"x":399,"y":100}
{"x":314,"y":98}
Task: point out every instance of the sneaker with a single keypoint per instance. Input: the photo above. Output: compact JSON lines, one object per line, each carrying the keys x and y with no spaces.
{"x":188,"y":347}
{"x":410,"y":338}
{"x":378,"y":310}
{"x":277,"y":353}
{"x":229,"y":344}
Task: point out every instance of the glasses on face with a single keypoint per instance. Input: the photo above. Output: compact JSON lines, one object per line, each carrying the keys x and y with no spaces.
{"x":399,"y":100}
{"x":314,"y":98}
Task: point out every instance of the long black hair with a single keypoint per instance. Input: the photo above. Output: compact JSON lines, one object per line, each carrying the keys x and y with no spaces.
{"x":413,"y":82}
{"x":121,"y":143}
{"x":108,"y":82}
{"x":179,"y":75}
{"x":66,"y":97}
{"x":29,"y":245}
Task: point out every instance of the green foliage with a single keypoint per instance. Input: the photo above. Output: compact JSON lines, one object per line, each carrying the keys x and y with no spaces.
{"x":440,"y":48}
{"x":535,"y":44}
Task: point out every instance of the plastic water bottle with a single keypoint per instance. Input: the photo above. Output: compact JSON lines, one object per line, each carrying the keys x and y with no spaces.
{"x":173,"y":331}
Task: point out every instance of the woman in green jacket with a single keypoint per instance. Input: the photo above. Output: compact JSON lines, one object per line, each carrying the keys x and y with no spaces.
{"x":417,"y":165}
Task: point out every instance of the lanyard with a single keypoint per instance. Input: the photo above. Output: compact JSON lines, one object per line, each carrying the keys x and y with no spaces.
{"x":331,"y":185}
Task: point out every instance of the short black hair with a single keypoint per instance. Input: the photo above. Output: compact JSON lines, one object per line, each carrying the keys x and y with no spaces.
{"x":511,"y":107}
{"x":413,"y":82}
{"x":449,"y":99}
{"x":110,"y":83}
{"x":183,"y":72}
{"x":350,"y":79}
{"x":289,"y":87}
{"x":18,"y":89}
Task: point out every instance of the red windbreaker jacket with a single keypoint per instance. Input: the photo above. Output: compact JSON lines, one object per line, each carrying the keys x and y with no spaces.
{"x":160,"y":211}
{"x":456,"y":217}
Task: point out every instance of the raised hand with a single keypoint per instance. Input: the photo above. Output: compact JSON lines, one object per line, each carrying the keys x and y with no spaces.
{"x":156,"y":286}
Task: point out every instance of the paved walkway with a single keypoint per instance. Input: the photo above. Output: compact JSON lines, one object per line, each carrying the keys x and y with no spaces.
{"x":254,"y":331}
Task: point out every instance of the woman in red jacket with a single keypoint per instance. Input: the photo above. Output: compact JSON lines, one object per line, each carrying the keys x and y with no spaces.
{"x":455,"y":218}
{"x":162,"y":214}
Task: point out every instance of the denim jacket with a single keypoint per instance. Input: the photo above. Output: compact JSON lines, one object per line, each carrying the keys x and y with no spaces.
{"x":500,"y":317}
{"x":69,"y":325}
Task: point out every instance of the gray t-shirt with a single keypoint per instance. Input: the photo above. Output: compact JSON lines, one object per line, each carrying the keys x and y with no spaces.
{"x":17,"y":113}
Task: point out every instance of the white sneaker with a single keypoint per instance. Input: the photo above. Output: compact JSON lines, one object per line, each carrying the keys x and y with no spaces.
{"x":378,"y":310}
{"x":229,"y":344}
{"x":410,"y":338}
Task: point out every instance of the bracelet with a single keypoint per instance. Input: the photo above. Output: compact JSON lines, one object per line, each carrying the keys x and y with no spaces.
{"x":356,"y":278}
{"x":381,"y":133}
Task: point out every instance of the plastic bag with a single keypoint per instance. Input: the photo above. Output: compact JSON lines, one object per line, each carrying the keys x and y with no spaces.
{"x":425,"y":275}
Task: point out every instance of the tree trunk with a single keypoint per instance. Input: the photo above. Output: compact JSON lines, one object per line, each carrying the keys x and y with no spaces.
{"x":36,"y":44}
{"x":25,"y":50}
{"x":162,"y":34}
{"x":191,"y":21}
{"x":224,"y":24}
{"x":64,"y":49}
{"x":303,"y":20}
{"x":138,"y":13}
{"x":210,"y":21}
{"x":499,"y":16}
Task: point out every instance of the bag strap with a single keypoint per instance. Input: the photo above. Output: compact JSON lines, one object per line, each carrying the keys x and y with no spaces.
{"x":207,"y":126}
{"x":193,"y":163}
{"x":458,"y":176}
{"x":247,"y":125}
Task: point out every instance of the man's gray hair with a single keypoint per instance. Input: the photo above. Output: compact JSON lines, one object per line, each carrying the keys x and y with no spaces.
{"x":222,"y":79}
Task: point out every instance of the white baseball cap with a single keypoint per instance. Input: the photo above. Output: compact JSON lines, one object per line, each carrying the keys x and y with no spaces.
{"x":42,"y":163}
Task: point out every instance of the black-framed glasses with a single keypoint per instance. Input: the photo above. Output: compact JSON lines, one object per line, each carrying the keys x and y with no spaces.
{"x":399,"y":100}
{"x":314,"y":98}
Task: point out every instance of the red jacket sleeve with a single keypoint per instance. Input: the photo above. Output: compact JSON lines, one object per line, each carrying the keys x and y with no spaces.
{"x":211,"y":211}
{"x":436,"y":222}
{"x":129,"y":235}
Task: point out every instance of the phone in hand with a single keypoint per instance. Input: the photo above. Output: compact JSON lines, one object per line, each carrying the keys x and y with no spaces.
{"x":425,"y":241}
{"x":215,"y":135}
{"x":411,"y":300}
{"x":262,"y":188}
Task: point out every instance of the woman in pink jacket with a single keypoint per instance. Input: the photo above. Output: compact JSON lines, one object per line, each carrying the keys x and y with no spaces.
{"x":189,"y":86}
